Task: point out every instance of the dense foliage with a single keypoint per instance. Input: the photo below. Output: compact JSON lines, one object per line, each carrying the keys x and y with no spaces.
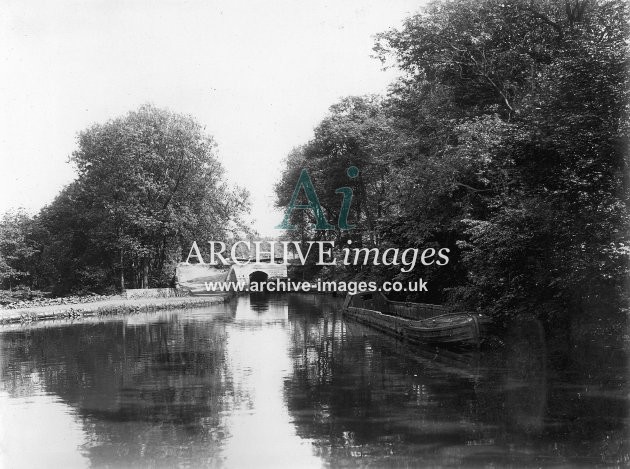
{"x":506,"y":140}
{"x":16,"y":248}
{"x":148,"y":184}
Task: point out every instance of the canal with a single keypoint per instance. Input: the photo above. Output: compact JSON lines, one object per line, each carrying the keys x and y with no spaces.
{"x":284,"y":381}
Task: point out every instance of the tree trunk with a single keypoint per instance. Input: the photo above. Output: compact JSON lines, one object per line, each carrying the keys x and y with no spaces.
{"x":122,"y":272}
{"x":162,"y":258}
{"x":366,"y":208}
{"x":145,"y":273}
{"x":136,"y":276}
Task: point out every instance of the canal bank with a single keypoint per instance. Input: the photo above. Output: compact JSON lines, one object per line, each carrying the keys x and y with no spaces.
{"x":112,"y":306}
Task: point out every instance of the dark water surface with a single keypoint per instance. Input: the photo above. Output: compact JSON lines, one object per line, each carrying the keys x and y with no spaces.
{"x":284,"y":381}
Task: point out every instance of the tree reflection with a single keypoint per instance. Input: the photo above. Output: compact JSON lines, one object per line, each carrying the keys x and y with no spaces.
{"x":360,"y":395}
{"x":201,"y":389}
{"x":150,"y":394}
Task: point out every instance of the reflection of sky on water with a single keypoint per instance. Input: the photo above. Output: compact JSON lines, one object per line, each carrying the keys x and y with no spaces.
{"x":39,"y":431}
{"x":260,"y":364}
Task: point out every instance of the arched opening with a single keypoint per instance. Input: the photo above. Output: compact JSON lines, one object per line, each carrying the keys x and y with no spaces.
{"x":258,"y":277}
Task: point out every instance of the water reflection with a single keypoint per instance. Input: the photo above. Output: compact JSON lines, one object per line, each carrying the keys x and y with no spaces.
{"x":284,"y":381}
{"x":261,"y":434}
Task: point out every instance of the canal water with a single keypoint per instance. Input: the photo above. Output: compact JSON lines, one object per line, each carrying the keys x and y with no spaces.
{"x":285,"y":381}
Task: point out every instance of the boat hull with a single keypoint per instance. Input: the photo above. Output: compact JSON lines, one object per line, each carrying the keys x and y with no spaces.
{"x":452,"y":328}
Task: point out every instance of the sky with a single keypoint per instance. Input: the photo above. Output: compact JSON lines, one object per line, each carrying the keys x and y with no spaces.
{"x":259,"y":75}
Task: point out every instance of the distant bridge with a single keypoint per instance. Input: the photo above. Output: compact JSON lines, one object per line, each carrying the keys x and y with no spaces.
{"x":193,"y":277}
{"x":259,"y":272}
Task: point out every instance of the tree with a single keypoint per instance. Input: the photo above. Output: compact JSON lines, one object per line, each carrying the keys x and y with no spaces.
{"x":534,"y":129}
{"x":16,"y":250}
{"x":357,"y":133}
{"x":148,"y":185}
{"x":569,"y":190}
{"x":506,"y":140}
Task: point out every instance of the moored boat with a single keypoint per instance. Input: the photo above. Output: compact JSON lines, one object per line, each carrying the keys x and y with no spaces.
{"x":417,"y":323}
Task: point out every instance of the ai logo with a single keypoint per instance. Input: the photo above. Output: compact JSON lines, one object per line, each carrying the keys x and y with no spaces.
{"x":304,"y":182}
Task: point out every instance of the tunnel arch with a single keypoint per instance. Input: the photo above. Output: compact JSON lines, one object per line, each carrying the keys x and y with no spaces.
{"x":258,"y":276}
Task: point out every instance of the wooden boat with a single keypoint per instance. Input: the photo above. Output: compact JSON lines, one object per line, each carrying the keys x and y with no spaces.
{"x":417,"y":323}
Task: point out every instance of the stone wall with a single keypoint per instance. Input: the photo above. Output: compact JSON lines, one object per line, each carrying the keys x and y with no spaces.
{"x":154,"y":293}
